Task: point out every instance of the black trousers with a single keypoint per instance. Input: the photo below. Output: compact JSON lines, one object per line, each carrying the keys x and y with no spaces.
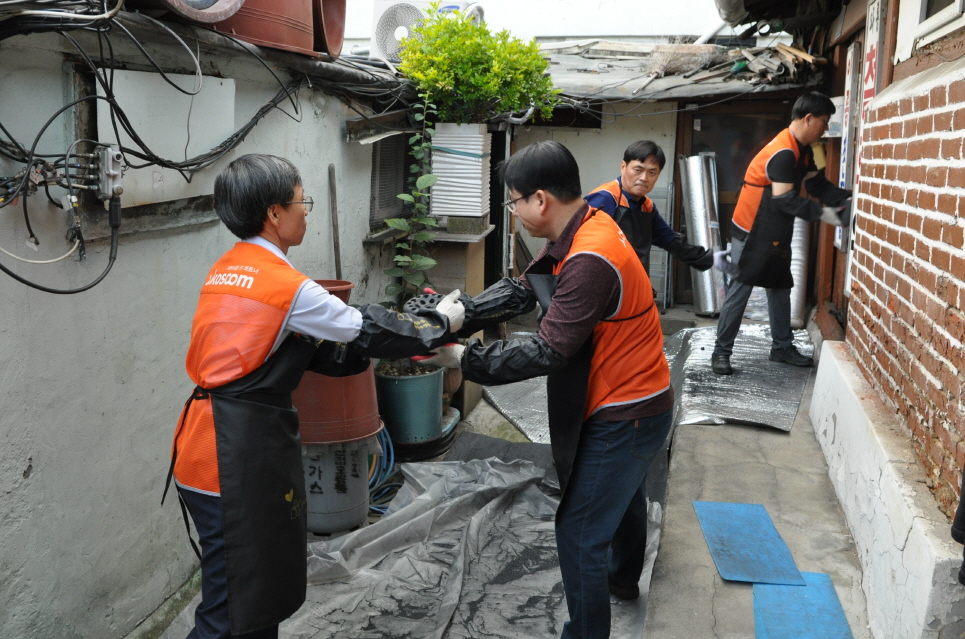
{"x":211,"y":617}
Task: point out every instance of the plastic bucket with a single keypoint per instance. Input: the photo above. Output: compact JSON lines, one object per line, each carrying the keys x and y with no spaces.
{"x":329,"y":25}
{"x":284,"y":25}
{"x":411,"y":406}
{"x":339,"y":288}
{"x":336,"y":409}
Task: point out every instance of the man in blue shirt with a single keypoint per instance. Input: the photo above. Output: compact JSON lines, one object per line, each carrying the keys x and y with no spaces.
{"x":625,"y":200}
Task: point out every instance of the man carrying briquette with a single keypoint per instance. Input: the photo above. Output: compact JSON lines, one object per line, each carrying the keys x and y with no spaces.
{"x":763,"y":225}
{"x":625,"y":200}
{"x":609,"y":398}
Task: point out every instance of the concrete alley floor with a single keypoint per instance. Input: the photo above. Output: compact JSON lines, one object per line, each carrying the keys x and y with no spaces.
{"x":786,"y":472}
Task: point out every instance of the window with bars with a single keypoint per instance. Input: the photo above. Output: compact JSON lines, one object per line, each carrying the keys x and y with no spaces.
{"x":389,"y":163}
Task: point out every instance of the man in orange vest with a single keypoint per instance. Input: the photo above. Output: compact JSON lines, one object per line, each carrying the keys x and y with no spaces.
{"x":763,"y":224}
{"x":609,"y":397}
{"x":625,"y":200}
{"x":236,"y":457}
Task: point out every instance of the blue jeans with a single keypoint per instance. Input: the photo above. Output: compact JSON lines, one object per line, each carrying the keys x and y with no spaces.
{"x":211,"y":616}
{"x":598,"y":529}
{"x":732,"y":311}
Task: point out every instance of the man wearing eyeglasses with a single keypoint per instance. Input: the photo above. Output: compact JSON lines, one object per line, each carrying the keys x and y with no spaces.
{"x":608,"y":389}
{"x":625,"y":200}
{"x":236,"y":457}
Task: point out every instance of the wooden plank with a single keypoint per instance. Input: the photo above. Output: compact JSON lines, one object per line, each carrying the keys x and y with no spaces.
{"x":796,"y":52}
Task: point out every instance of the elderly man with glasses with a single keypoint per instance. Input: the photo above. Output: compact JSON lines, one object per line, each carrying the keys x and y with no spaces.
{"x":236,"y":458}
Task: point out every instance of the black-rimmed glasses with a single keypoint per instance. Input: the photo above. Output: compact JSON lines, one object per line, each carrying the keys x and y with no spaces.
{"x":511,"y":204}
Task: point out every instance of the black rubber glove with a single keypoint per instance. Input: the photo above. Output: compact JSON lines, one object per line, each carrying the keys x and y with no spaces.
{"x":830,"y":194}
{"x":696,"y":256}
{"x":393,"y":335}
{"x":337,"y":359}
{"x":504,"y":362}
{"x":502,"y":301}
{"x":845,"y":212}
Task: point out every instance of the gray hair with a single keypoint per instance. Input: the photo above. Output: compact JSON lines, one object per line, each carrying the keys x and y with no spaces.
{"x":247,"y":188}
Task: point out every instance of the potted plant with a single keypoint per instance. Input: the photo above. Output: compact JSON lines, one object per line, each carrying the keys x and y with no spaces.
{"x":472,"y":75}
{"x":410,"y":395}
{"x":465,"y":75}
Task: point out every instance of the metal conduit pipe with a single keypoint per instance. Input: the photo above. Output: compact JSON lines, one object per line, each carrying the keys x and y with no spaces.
{"x":800,"y":250}
{"x":699,"y":182}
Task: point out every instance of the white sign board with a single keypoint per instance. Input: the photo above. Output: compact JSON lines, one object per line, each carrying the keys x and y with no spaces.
{"x":869,"y":89}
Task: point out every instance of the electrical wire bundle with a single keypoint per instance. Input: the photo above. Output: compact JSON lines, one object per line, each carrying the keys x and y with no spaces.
{"x":20,"y":17}
{"x":381,"y":471}
{"x":81,"y":171}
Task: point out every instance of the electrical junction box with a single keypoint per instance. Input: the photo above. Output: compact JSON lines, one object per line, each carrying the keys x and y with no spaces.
{"x":173,"y":125}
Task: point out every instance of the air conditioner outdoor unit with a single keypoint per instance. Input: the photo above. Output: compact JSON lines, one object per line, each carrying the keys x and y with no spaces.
{"x":392,"y":20}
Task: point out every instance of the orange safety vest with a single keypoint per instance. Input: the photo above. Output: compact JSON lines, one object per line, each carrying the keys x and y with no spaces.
{"x":613,"y":188}
{"x":628,"y":364}
{"x":244,"y":303}
{"x":756,"y":180}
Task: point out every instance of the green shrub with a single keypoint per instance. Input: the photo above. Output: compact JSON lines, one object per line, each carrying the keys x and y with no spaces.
{"x":473,"y":74}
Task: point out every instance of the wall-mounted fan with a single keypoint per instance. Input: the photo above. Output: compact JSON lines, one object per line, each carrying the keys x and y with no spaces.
{"x":393,"y":21}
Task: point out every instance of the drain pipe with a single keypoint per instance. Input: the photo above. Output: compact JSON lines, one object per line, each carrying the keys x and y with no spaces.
{"x":710,"y":34}
{"x":334,"y":206}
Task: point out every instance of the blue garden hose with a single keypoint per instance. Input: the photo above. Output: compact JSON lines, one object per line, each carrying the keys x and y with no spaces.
{"x":381,"y":490}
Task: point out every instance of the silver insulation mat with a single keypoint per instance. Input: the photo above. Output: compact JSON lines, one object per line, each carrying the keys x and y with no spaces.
{"x":524,"y":405}
{"x":467,"y":549}
{"x":760,"y":392}
{"x":699,"y":183}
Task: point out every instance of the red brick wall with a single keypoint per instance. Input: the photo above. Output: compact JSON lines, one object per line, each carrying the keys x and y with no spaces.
{"x":905,"y":320}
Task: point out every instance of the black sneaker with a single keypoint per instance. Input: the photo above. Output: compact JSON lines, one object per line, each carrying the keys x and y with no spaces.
{"x":626,"y":593}
{"x":790,"y":355}
{"x":720,"y":363}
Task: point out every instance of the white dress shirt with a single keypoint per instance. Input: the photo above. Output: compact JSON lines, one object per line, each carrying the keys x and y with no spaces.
{"x":315,"y":311}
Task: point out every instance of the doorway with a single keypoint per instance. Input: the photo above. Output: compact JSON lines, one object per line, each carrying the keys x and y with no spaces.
{"x":735,"y":132}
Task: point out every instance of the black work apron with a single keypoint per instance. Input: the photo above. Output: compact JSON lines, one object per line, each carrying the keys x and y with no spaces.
{"x":637,"y":225}
{"x":262,"y":488}
{"x":566,"y":389}
{"x":766,"y":259}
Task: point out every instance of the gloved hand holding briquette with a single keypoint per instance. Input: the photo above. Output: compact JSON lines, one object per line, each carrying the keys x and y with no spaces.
{"x":448,"y":356}
{"x":451,"y":307}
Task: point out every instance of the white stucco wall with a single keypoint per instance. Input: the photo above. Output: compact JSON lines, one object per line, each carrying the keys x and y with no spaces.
{"x":600,"y":151}
{"x":909,"y":561}
{"x":92,"y":384}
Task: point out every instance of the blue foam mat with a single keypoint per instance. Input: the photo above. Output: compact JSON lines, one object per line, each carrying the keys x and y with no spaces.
{"x":759,"y":632}
{"x":745,"y":544}
{"x":795,"y":612}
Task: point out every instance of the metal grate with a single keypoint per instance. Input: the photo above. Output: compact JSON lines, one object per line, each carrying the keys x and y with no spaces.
{"x":388,"y":180}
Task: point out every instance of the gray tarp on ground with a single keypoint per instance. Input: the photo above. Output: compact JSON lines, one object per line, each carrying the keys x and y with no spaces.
{"x":467,"y":550}
{"x":760,"y":392}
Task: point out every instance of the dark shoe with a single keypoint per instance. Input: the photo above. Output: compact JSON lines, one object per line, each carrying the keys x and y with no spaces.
{"x":623,"y":592}
{"x":791,"y":356}
{"x":720,"y":363}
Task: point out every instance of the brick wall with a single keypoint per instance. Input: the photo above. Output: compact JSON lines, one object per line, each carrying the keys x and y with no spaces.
{"x":905,"y":320}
